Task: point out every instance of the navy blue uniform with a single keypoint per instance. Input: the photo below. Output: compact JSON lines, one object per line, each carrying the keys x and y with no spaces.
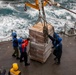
{"x":15,"y":46}
{"x":57,"y":45}
{"x":23,"y":51}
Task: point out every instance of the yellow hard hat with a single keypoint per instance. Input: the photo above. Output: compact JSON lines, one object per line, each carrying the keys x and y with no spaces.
{"x":15,"y":66}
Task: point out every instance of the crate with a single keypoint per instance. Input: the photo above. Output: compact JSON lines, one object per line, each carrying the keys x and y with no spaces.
{"x":39,"y":50}
{"x":36,"y":32}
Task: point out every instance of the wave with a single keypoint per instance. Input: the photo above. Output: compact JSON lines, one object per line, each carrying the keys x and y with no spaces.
{"x":13,"y":17}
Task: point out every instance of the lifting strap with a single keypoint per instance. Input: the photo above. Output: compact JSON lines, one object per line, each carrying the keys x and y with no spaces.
{"x":55,"y":4}
{"x":42,"y":19}
{"x":45,"y":29}
{"x":68,"y":10}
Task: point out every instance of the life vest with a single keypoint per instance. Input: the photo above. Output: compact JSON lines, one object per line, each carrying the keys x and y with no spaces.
{"x":25,"y":43}
{"x":13,"y":72}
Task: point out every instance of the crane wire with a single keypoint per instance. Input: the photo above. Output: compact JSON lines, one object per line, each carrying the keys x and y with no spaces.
{"x":61,"y":7}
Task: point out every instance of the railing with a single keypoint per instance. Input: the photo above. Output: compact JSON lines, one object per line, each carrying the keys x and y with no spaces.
{"x":69,"y":31}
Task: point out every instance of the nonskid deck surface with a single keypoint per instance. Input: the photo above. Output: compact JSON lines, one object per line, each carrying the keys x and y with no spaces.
{"x":67,"y":66}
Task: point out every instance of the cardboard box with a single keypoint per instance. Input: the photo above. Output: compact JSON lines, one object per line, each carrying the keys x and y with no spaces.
{"x":39,"y":50}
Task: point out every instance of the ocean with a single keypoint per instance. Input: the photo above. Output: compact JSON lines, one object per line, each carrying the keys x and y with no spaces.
{"x":14,"y":17}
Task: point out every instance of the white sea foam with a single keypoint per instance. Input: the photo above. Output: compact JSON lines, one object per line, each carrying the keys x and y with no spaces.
{"x":21,"y":25}
{"x":8,"y":23}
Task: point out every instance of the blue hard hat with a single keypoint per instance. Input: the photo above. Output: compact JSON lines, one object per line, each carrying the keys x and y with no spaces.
{"x":55,"y":35}
{"x":14,"y":34}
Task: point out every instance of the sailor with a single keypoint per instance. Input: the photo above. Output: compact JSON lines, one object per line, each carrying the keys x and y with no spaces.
{"x":14,"y":70}
{"x":57,"y":46}
{"x":3,"y":72}
{"x":15,"y":46}
{"x":20,"y":40}
{"x":23,"y":51}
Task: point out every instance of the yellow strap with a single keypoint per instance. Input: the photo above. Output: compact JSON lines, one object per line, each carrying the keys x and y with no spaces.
{"x":36,"y":5}
{"x":32,"y":5}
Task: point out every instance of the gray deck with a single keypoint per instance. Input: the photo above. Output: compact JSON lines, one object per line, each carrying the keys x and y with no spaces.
{"x":67,"y":66}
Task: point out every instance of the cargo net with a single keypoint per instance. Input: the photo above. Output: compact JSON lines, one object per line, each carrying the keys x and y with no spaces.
{"x":70,"y":29}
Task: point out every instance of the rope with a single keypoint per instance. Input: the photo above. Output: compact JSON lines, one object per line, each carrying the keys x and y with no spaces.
{"x":45,"y":29}
{"x":39,"y":18}
{"x":68,"y":9}
{"x":42,"y":17}
{"x":61,"y":7}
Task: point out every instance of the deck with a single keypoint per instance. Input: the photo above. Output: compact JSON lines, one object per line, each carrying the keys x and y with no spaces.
{"x":67,"y":66}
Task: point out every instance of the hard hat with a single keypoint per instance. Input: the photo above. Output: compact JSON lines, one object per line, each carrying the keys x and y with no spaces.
{"x":55,"y":35}
{"x":15,"y":66}
{"x":14,"y":34}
